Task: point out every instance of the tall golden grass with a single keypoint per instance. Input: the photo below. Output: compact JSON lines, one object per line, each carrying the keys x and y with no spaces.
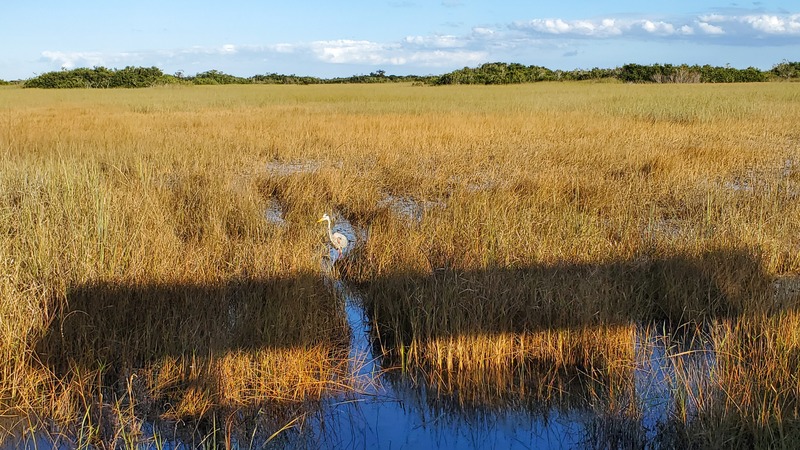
{"x":543,"y":209}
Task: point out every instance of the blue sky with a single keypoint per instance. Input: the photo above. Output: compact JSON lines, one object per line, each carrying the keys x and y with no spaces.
{"x":330,"y":38}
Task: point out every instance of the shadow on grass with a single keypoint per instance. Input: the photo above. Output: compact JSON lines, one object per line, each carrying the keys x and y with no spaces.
{"x":192,"y":363}
{"x":111,"y":323}
{"x":577,"y":318}
{"x":678,"y":288}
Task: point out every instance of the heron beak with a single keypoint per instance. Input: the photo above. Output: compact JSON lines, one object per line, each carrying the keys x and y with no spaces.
{"x":320,"y":220}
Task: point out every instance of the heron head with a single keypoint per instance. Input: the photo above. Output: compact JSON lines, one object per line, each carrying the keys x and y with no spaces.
{"x":324,"y":218}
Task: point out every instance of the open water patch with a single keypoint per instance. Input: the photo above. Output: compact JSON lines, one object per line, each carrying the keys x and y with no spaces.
{"x":395,"y":410}
{"x":283,"y":168}
{"x":409,"y":209}
{"x":274,"y":213}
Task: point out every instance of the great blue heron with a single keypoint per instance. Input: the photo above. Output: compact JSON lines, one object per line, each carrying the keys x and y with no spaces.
{"x":338,"y":240}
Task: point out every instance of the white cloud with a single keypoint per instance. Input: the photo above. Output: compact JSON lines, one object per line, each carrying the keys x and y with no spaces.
{"x":782,"y":25}
{"x":755,"y":25}
{"x":282,"y":48}
{"x":598,"y":28}
{"x":712,"y":18}
{"x":413,"y":50}
{"x":733,"y":29}
{"x":345,"y":51}
{"x":659,"y":28}
{"x":482,"y":31}
{"x":440,"y":58}
{"x":436,"y":41}
{"x":71,"y":60}
{"x":707,"y":28}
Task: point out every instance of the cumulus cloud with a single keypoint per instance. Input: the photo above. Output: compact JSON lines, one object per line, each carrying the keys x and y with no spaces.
{"x":436,"y":41}
{"x":660,"y":27}
{"x":433,"y":51}
{"x":783,"y":25}
{"x":71,"y":60}
{"x":723,"y":28}
{"x":601,"y":28}
{"x":483,"y":31}
{"x":707,"y":28}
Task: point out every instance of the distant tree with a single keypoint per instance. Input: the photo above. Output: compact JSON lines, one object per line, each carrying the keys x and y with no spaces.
{"x":275,"y":78}
{"x":136,"y":77}
{"x":786,"y":70}
{"x":217,"y":77}
{"x":98,"y":77}
{"x":636,"y":73}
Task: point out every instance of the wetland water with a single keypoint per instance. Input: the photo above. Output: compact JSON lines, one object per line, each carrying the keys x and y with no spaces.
{"x":397,"y":411}
{"x":393,"y":411}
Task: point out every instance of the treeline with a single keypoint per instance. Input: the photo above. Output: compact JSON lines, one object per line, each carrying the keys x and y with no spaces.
{"x":135,"y":77}
{"x":504,"y":73}
{"x":489,"y":73}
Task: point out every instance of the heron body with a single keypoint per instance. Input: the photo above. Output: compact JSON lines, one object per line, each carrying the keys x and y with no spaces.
{"x":338,"y":240}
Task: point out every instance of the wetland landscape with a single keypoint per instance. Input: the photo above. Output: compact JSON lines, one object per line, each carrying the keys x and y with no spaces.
{"x":550,"y":265}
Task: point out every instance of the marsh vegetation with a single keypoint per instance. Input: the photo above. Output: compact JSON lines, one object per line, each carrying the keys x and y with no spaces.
{"x":539,"y":251}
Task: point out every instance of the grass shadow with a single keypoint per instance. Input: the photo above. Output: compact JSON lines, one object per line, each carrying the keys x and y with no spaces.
{"x":113,"y":323}
{"x":678,"y":288}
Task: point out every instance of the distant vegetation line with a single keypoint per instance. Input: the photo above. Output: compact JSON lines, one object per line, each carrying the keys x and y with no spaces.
{"x":489,"y":73}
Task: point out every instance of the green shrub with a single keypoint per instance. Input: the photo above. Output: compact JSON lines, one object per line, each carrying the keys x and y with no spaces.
{"x":97,"y":77}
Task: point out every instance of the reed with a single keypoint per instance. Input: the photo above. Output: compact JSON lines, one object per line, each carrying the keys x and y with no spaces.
{"x":495,"y":216}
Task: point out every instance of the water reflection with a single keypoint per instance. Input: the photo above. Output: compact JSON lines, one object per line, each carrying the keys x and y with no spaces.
{"x":419,"y":408}
{"x":391,"y":410}
{"x":674,"y":367}
{"x":17,"y":436}
{"x":516,"y":407}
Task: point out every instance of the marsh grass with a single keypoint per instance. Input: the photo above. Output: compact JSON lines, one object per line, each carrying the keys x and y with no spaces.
{"x":135,"y":255}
